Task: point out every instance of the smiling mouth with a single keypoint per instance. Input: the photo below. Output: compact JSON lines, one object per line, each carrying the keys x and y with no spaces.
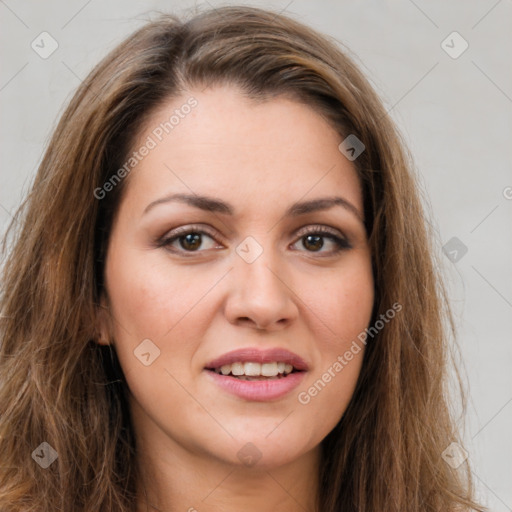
{"x":253,"y":371}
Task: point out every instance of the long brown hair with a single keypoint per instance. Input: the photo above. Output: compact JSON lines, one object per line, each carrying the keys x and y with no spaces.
{"x":60,"y":387}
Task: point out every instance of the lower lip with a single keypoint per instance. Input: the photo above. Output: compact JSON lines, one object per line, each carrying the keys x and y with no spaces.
{"x":258,"y":390}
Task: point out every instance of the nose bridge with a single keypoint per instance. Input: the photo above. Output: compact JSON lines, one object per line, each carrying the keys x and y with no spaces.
{"x":254,"y":264}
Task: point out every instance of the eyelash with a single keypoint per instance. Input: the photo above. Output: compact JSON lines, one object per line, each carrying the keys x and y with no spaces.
{"x":166,"y":241}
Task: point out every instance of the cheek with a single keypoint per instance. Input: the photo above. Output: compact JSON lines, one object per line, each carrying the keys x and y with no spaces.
{"x":340,"y":311}
{"x":149,"y":298}
{"x":151,"y":301}
{"x":342,"y":305}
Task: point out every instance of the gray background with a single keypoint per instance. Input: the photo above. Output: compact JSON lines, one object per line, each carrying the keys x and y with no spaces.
{"x":455,"y":114}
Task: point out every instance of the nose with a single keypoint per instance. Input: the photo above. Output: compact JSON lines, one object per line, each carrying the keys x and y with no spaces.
{"x":260,"y":297}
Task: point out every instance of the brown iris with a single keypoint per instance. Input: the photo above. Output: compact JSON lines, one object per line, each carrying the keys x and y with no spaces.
{"x":191,"y":241}
{"x":313,"y":242}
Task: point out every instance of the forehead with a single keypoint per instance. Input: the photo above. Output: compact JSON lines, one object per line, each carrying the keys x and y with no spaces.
{"x":240,"y":149}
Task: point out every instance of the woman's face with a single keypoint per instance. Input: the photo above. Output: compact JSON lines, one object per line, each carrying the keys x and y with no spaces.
{"x":259,"y":266}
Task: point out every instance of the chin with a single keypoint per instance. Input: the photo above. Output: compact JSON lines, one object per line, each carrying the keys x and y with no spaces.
{"x":259,"y":450}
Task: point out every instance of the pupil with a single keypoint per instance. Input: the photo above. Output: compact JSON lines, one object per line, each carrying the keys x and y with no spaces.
{"x":317,"y":242}
{"x":191,"y":241}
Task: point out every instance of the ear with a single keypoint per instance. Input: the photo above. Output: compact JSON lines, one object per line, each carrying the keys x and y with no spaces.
{"x":103,"y":322}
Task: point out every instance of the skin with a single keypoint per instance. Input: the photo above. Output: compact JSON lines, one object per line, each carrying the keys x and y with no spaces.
{"x":195,"y":306}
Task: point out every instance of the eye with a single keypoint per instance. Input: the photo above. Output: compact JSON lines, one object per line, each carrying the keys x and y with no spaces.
{"x":313,"y":239}
{"x":187,"y":239}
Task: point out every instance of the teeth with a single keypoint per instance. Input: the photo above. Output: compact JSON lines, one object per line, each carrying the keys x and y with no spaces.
{"x":269,"y":369}
{"x":252,"y":369}
{"x":237,"y":368}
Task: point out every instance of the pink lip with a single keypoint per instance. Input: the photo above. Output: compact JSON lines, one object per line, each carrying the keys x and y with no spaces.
{"x":259,"y":356}
{"x":258,"y":390}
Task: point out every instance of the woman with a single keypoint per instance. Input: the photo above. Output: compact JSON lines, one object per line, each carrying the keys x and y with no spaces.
{"x":222,"y":295}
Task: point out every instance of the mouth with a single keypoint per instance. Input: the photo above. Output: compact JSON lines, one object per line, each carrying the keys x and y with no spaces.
{"x":254,"y":371}
{"x":255,"y":375}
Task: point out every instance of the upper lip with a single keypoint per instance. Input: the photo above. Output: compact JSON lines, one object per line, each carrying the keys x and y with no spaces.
{"x":259,"y":356}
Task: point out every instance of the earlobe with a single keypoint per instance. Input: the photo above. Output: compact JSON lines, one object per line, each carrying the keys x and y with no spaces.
{"x":103,"y":323}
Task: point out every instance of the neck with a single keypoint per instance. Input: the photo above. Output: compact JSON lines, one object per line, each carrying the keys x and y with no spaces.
{"x":174,"y":479}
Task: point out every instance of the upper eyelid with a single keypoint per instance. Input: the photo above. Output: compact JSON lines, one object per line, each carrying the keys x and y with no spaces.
{"x":322,"y":228}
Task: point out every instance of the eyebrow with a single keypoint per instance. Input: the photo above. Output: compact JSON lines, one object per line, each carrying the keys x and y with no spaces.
{"x":211,"y":204}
